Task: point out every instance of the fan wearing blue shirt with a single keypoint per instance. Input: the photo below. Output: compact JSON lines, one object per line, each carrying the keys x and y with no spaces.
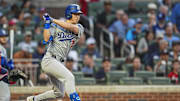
{"x":132,"y":33}
{"x":161,"y":24}
{"x":169,"y":35}
{"x":175,"y":18}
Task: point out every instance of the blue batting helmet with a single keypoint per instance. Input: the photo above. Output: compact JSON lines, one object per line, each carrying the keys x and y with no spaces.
{"x":70,"y":9}
{"x":3,"y":33}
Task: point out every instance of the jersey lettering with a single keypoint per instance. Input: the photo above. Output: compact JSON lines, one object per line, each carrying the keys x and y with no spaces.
{"x":63,"y":37}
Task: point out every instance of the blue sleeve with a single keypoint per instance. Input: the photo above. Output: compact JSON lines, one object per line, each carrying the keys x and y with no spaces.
{"x":112,"y":28}
{"x":50,"y":40}
{"x":7,"y":64}
{"x":3,"y":62}
{"x":129,"y":35}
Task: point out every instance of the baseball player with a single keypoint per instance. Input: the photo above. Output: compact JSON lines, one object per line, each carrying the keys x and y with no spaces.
{"x":4,"y":89}
{"x":61,"y":36}
{"x":8,"y":75}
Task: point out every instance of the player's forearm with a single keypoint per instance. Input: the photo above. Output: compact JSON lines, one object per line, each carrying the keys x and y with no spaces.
{"x":46,"y":34}
{"x":68,"y":26}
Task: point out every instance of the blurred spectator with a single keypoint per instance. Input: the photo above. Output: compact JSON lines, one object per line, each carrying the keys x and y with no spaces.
{"x":38,"y":30}
{"x":89,"y":66}
{"x":39,"y":18}
{"x":20,"y":17}
{"x":74,"y":55}
{"x":4,"y":4}
{"x":169,"y":35}
{"x":91,"y":49}
{"x":151,"y":22}
{"x":3,"y":22}
{"x":100,"y":76}
{"x":13,"y":12}
{"x":161,"y":67}
{"x":39,"y":53}
{"x":106,"y":16}
{"x":121,"y":26}
{"x":173,"y":75}
{"x":164,"y":10}
{"x":161,"y":24}
{"x":154,"y":50}
{"x":26,"y":5}
{"x":84,"y":5}
{"x":24,"y":53}
{"x":137,"y":66}
{"x":144,"y":43}
{"x":34,"y":13}
{"x":175,"y":53}
{"x":152,"y":7}
{"x":4,"y":7}
{"x":167,"y":3}
{"x":119,"y":14}
{"x":175,"y":17}
{"x":81,"y":45}
{"x":131,"y":36}
{"x":69,"y":63}
{"x":27,"y":26}
{"x":32,"y":10}
{"x":132,"y":8}
{"x":28,"y":42}
{"x":119,"y":29}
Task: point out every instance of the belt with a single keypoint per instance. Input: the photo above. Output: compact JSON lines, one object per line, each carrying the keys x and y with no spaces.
{"x":59,"y":59}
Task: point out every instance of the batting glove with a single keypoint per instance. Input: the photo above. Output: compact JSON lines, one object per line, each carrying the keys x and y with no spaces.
{"x":47,"y":20}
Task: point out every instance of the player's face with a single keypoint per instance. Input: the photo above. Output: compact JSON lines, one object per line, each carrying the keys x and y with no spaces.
{"x":75,"y":18}
{"x":3,"y":40}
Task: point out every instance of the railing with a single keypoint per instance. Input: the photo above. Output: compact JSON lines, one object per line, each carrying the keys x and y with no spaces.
{"x":105,"y":43}
{"x":30,"y":69}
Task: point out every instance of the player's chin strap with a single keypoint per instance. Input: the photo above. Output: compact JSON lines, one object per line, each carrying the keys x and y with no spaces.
{"x":50,"y":39}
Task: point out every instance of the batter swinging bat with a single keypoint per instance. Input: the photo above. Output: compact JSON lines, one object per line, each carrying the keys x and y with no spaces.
{"x":11,"y":43}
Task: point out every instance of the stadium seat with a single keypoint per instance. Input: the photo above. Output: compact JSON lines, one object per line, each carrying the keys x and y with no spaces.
{"x":117,"y":60}
{"x":18,"y":38}
{"x":78,"y":75}
{"x":85,"y":81}
{"x":115,"y":76}
{"x":144,"y":74}
{"x":126,"y":67}
{"x":131,"y":81}
{"x":98,"y":63}
{"x":159,"y":81}
{"x":98,"y":6}
{"x":38,"y":37}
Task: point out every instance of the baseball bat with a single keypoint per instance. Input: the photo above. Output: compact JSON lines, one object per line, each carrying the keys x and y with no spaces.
{"x":11,"y":43}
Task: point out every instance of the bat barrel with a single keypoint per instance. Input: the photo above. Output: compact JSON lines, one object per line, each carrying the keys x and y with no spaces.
{"x":11,"y":43}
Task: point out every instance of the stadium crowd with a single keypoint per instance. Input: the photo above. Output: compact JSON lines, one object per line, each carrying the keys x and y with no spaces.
{"x":153,"y":42}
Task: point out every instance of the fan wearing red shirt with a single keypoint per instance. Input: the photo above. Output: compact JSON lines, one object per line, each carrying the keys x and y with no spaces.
{"x":84,"y":5}
{"x":173,"y":75}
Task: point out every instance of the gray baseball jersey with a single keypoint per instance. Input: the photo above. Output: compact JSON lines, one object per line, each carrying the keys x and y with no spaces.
{"x":4,"y":89}
{"x":63,"y":40}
